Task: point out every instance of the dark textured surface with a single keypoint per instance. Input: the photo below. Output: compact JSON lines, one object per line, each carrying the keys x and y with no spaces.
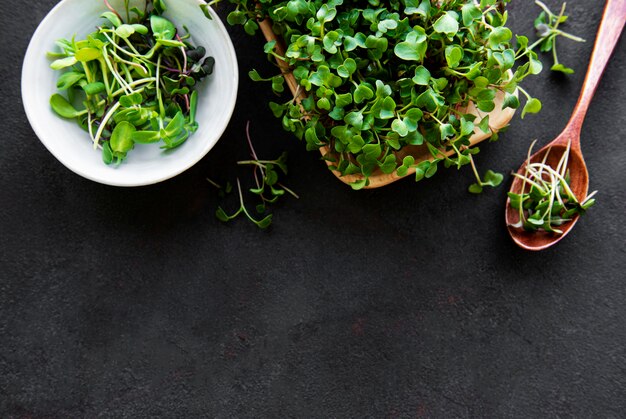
{"x":410,"y":301}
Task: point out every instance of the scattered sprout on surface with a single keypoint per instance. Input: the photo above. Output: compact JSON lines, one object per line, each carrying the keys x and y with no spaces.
{"x":547,"y":27}
{"x":268,"y":187}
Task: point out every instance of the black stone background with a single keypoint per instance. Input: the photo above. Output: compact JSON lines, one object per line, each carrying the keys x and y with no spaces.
{"x":408,"y":301}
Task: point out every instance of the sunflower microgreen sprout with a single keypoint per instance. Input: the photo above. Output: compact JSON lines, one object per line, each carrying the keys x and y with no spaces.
{"x":133,"y":80}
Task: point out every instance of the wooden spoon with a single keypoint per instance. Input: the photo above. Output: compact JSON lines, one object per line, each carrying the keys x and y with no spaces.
{"x":610,"y":29}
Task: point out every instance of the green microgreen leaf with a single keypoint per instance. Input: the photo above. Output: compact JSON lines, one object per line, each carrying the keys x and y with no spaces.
{"x":532,"y":106}
{"x":88,"y":54}
{"x":162,"y":28}
{"x":422,"y":76}
{"x":447,"y":23}
{"x":561,"y":68}
{"x":146,"y":137}
{"x":69,"y":79}
{"x":107,"y":153}
{"x":470,"y":13}
{"x":547,"y":29}
{"x":62,"y":107}
{"x":63,"y":63}
{"x":113,"y":18}
{"x":454,"y":55}
{"x":94,"y":88}
{"x":413,"y":48}
{"x":125,"y":31}
{"x":121,"y":137}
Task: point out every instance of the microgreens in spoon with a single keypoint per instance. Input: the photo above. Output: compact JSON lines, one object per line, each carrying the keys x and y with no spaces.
{"x":545,"y":200}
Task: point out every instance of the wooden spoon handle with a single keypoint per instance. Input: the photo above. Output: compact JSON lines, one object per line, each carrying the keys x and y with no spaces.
{"x":611,"y":27}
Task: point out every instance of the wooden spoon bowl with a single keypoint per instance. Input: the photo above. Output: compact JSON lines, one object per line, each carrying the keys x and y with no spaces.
{"x":579,"y":184}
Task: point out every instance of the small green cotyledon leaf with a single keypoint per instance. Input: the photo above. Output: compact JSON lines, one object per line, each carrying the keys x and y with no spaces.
{"x":419,"y":7}
{"x":121,"y":138}
{"x":326,"y":13}
{"x":454,"y":55}
{"x":63,"y":63}
{"x":499,"y":35}
{"x":492,"y":178}
{"x":532,"y":106}
{"x":422,"y":76}
{"x":62,"y":107}
{"x":363,"y":93}
{"x":561,"y":68}
{"x":470,"y":12}
{"x":162,"y":28}
{"x":413,"y":48}
{"x":447,"y":23}
{"x":388,"y":108}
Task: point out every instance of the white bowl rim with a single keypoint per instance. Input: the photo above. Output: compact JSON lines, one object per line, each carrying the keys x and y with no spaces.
{"x":124,"y":182}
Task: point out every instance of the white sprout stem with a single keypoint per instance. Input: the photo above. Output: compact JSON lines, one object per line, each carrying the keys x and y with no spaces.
{"x":107,"y":86}
{"x":135,"y":84}
{"x":129,"y":77}
{"x":115,"y":74}
{"x":558,"y":18}
{"x":182,"y":50}
{"x":103,"y":101}
{"x":130,"y":63}
{"x":538,"y":175}
{"x":545,"y":158}
{"x":561,"y":180}
{"x":136,"y":53}
{"x":158,"y":89}
{"x":589,"y":197}
{"x":553,"y":189}
{"x":545,"y":8}
{"x":105,"y":120}
{"x":133,"y":54}
{"x":527,"y":180}
{"x":521,"y":207}
{"x":562,"y":166}
{"x":89,"y":121}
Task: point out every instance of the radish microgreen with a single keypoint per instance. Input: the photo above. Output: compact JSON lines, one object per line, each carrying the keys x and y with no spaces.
{"x":131,"y":83}
{"x":384,"y":76}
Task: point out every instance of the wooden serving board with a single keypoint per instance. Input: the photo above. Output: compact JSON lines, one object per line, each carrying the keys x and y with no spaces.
{"x":498,"y":119}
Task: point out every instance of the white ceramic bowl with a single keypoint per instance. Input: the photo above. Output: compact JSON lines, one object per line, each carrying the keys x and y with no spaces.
{"x":146,"y":163}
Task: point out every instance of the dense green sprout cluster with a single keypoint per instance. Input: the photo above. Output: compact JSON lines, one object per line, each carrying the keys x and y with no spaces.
{"x":383,"y":75}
